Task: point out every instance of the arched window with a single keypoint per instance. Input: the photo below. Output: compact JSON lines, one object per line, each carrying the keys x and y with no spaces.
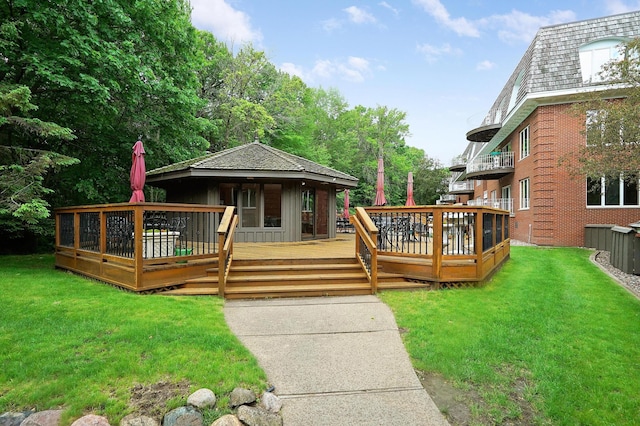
{"x":597,"y":53}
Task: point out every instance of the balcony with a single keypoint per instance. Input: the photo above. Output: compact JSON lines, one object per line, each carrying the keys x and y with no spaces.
{"x":496,"y":203}
{"x":483,"y":133}
{"x":458,"y":164}
{"x":491,"y":166}
{"x":464,"y":187}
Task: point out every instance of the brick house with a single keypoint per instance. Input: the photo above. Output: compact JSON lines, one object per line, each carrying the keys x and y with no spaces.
{"x":512,"y":159}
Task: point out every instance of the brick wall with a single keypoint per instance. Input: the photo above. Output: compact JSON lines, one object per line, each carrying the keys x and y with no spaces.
{"x":558,"y":211}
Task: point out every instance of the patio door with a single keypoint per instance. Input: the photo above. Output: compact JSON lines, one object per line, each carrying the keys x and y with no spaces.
{"x":315,"y":213}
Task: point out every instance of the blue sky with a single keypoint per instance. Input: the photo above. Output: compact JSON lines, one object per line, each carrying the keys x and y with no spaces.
{"x":443,"y":62}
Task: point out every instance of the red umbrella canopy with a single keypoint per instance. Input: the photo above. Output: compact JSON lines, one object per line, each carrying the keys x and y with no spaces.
{"x":410,"y":201}
{"x":346,"y":204}
{"x":137,"y":174}
{"x":380,"y":199}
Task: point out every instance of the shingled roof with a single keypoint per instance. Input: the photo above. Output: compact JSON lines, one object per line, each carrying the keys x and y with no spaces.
{"x":550,"y":66}
{"x":254,"y":160}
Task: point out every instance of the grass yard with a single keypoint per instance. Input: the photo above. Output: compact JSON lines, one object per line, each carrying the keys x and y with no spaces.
{"x":68,"y":342}
{"x":549,"y":329}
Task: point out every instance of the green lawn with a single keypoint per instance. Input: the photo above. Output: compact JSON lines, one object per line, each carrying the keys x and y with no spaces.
{"x":549,"y":323}
{"x":69,"y":342}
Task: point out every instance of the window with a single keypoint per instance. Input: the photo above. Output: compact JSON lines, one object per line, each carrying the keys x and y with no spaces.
{"x":612,"y":192}
{"x":524,"y":143}
{"x":249,"y":212}
{"x":524,"y":194}
{"x":506,"y":198}
{"x":596,"y":54}
{"x":272,"y":205}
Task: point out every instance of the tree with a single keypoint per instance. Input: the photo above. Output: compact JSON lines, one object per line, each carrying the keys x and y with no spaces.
{"x":112,"y":72}
{"x":22,"y":170}
{"x":612,"y":125}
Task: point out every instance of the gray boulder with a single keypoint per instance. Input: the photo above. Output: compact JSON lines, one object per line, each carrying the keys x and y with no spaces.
{"x":183,"y":416}
{"x":271,"y":402}
{"x":256,"y":416}
{"x":227,"y":420}
{"x":137,"y":420}
{"x":43,"y":418}
{"x":202,"y":398}
{"x":91,"y":420}
{"x":240,"y":396}
{"x":14,"y":419}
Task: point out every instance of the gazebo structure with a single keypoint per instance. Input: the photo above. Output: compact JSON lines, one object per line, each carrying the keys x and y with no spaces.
{"x":279,"y":197}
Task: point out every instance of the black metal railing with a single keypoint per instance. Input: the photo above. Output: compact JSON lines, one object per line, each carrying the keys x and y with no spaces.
{"x":403,"y":232}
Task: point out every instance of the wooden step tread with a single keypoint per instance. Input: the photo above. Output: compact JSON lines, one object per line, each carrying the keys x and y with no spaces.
{"x":201,"y":291}
{"x":296,"y":288}
{"x":203,"y":280}
{"x":294,"y":267}
{"x":300,"y":277}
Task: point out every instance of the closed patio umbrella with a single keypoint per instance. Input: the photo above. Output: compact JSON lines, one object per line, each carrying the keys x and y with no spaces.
{"x":380,"y":199}
{"x":410,"y":201}
{"x":346,"y":204}
{"x":137,"y":174}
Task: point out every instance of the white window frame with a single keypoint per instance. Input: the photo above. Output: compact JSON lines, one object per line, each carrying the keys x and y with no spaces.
{"x":621,"y":193}
{"x":524,"y":143}
{"x":525,"y":194}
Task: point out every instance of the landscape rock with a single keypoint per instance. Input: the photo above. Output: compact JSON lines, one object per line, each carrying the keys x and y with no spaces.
{"x":137,"y":420}
{"x":240,"y":396}
{"x":91,"y":420}
{"x":14,"y":419}
{"x":43,"y":418}
{"x":271,"y":402}
{"x":183,"y":416}
{"x":227,"y":420}
{"x":256,"y":416}
{"x":202,"y":398}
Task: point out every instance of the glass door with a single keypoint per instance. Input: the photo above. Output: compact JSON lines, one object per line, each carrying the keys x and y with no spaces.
{"x":308,"y":213}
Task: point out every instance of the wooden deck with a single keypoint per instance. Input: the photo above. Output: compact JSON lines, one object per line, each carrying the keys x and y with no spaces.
{"x":191,"y":251}
{"x":341,"y":247}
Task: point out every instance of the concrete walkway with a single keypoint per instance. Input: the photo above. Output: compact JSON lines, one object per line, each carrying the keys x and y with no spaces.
{"x":333,"y":360}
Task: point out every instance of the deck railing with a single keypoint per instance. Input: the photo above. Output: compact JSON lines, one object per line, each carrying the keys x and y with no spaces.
{"x":442,"y":242}
{"x":226,"y":232}
{"x":366,"y":249}
{"x":118,"y":242}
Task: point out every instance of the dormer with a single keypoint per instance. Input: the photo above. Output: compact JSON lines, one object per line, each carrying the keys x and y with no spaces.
{"x":595,"y":54}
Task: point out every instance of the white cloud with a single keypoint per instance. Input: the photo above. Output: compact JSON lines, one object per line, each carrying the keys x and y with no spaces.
{"x":359,"y":16}
{"x":391,"y":8}
{"x":432,"y":53}
{"x":522,"y":27}
{"x":358,"y":63}
{"x":460,"y":26}
{"x":352,"y":69}
{"x":485,"y":65}
{"x":223,"y":21}
{"x":331,"y":24}
{"x":618,"y":6}
{"x":293,"y":69}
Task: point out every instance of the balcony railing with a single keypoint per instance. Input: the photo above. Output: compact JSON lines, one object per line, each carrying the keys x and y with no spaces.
{"x":491,"y":166}
{"x":497,"y":203}
{"x":464,"y":186}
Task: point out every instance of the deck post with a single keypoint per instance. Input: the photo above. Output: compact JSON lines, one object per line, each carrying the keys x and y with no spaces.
{"x":437,"y":243}
{"x":479,"y":242}
{"x":138,"y":229}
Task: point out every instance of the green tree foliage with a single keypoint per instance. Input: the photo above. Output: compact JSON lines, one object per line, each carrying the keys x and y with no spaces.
{"x":105,"y":73}
{"x":22,"y":170}
{"x":111,"y":71}
{"x":613,"y":125}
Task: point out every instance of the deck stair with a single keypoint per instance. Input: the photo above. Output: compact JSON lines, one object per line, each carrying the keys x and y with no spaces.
{"x":269,"y":278}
